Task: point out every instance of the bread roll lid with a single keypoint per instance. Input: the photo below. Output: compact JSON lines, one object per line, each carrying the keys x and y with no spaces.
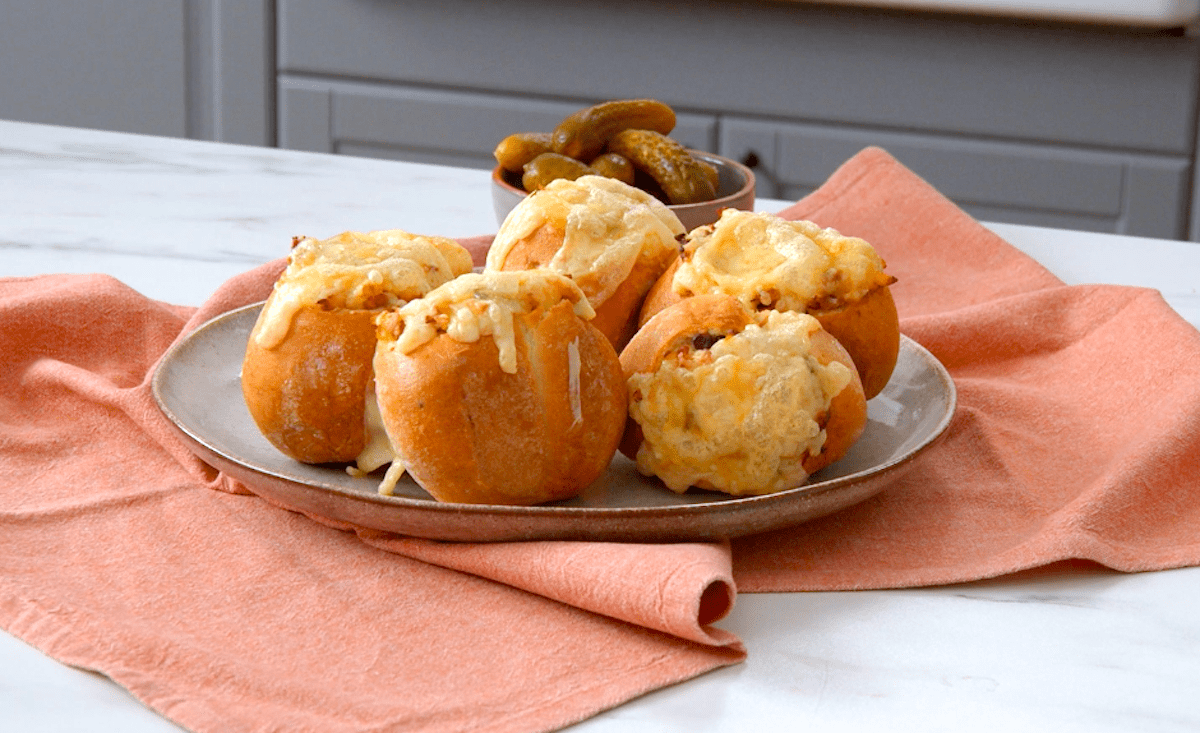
{"x":767,"y":261}
{"x":475,"y":305}
{"x":741,"y":415}
{"x":356,"y":270}
{"x":607,"y":226}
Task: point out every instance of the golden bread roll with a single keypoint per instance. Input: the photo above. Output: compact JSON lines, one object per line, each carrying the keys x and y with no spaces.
{"x":612,"y":239}
{"x":738,"y":401}
{"x":306,"y":376}
{"x":769,"y":262}
{"x":495,"y":389}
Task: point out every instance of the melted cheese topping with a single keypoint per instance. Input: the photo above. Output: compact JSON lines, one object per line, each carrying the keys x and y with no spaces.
{"x":767,"y":261}
{"x":395,"y":472}
{"x":359,"y":271}
{"x":741,"y":416}
{"x":608,"y":228}
{"x":480,"y":304}
{"x":379,"y":450}
{"x":573,"y":386}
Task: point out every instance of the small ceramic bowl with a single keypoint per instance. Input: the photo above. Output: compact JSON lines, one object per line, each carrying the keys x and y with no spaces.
{"x":735,"y":189}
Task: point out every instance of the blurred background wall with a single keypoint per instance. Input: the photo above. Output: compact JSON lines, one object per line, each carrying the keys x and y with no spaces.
{"x":1017,"y":118}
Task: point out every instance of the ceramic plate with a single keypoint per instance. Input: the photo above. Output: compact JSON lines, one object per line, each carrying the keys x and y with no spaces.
{"x":197,"y":387}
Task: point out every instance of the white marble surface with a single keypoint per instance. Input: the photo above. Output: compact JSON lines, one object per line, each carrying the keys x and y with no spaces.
{"x":1054,"y":651}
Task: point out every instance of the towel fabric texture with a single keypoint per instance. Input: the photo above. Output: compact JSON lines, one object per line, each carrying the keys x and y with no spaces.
{"x":1077,"y":437}
{"x":1077,"y":433}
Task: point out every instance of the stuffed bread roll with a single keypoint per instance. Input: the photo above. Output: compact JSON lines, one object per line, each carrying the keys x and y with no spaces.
{"x":769,"y":262}
{"x":496,"y":389}
{"x":306,"y":376}
{"x":738,"y":401}
{"x":612,"y":239}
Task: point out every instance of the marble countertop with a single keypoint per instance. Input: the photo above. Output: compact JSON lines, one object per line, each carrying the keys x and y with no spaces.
{"x":1062,"y":649}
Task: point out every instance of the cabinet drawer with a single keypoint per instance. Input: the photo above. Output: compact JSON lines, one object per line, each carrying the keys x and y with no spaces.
{"x":423,"y":125}
{"x":801,"y":61}
{"x":1071,"y":188}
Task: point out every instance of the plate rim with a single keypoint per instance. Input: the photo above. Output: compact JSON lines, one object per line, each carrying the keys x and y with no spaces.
{"x":731,"y":504}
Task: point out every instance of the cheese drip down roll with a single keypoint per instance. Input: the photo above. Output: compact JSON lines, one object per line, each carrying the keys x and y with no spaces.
{"x":738,"y":401}
{"x":612,"y":239}
{"x":768,"y":262}
{"x":306,"y":377}
{"x":496,"y":389}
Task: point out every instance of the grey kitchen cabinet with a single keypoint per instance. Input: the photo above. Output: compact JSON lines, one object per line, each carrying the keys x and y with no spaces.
{"x":180,"y":68}
{"x":1042,"y":123}
{"x":1042,"y":185}
{"x":1059,"y":124}
{"x":426,"y":125}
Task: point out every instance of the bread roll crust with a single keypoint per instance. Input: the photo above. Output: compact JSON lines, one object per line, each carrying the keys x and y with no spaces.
{"x":869,"y":330}
{"x":661,"y":295}
{"x":306,"y":374}
{"x":847,"y":418}
{"x":469,"y":432}
{"x":308,"y":394}
{"x":675,"y":329}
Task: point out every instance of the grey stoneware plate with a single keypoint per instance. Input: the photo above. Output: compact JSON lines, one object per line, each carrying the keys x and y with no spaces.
{"x":197,"y":387}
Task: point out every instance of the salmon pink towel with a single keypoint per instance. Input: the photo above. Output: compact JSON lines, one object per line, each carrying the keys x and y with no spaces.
{"x":1077,"y":433}
{"x":121,"y":552}
{"x":1076,"y":437}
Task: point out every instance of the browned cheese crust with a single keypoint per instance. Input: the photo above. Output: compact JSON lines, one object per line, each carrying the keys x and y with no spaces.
{"x":696,"y":322}
{"x":610,"y":238}
{"x":868,"y":327}
{"x":675,"y":329}
{"x":307,"y":394}
{"x":469,"y":432}
{"x":617,"y":316}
